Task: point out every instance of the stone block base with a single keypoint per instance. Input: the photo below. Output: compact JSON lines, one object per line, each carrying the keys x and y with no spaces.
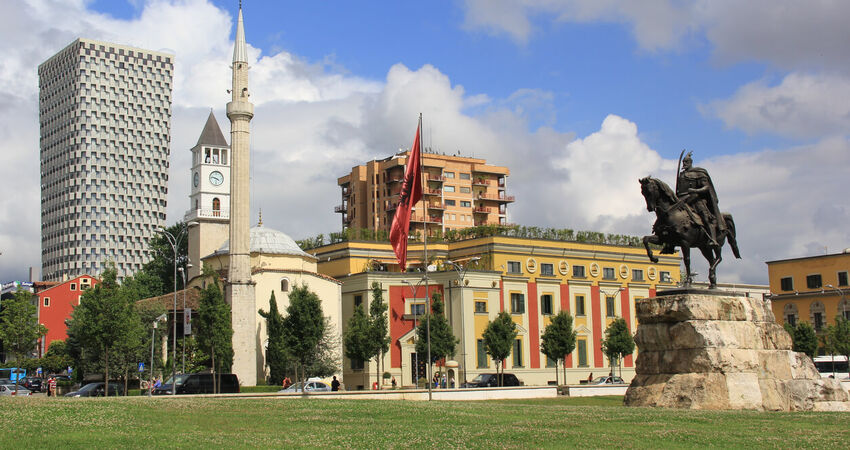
{"x":721,"y":351}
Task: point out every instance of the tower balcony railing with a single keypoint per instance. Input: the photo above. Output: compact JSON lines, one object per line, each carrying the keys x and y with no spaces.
{"x":193,"y":214}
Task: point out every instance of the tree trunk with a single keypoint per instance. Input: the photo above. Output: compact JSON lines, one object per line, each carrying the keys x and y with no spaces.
{"x":556,"y":373}
{"x":564,"y":367}
{"x":126,"y":376}
{"x":378,"y":370}
{"x":212,"y":361}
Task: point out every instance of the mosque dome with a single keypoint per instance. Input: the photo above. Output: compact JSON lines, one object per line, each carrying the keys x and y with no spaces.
{"x":269,"y":241}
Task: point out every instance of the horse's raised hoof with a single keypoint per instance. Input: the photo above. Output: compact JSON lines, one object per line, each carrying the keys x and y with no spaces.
{"x":653,"y":259}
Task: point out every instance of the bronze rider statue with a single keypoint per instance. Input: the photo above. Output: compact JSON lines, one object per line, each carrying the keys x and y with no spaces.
{"x":694,"y":188}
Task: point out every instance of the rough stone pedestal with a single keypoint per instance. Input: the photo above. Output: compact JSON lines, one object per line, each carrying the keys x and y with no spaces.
{"x":720,"y":350}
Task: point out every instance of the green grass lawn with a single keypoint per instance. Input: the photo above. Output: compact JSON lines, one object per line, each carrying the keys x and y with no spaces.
{"x":139,"y":422}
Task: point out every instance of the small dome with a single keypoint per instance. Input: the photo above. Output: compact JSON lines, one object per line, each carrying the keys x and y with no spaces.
{"x":269,"y":241}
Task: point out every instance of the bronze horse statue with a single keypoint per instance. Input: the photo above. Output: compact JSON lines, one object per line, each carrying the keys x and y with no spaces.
{"x":678,"y":226}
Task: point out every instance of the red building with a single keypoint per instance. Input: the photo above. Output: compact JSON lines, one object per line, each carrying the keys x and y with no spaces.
{"x":55,"y":305}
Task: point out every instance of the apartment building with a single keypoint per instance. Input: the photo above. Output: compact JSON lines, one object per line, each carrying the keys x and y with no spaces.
{"x":105,"y":127}
{"x":458,"y":192}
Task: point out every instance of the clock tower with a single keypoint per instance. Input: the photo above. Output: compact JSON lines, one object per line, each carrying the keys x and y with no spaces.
{"x":209,"y":201}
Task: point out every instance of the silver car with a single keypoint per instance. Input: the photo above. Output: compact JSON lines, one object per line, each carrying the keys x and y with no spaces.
{"x":8,"y":390}
{"x":311,"y":386}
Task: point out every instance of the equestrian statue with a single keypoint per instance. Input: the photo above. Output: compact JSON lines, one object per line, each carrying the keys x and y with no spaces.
{"x":688,"y":218}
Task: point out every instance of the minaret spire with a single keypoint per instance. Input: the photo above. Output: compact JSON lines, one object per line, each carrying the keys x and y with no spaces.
{"x":240,"y":286}
{"x":240,"y":49}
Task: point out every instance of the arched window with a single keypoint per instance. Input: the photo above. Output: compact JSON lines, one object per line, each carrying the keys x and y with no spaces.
{"x":844,"y":308}
{"x":216,"y":207}
{"x":818,"y":314}
{"x":791,"y":314}
{"x":284,"y":285}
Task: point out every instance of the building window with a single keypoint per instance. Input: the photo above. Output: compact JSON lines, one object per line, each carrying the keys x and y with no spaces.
{"x":358,"y":300}
{"x":216,"y":204}
{"x":547,"y":269}
{"x":46,"y":302}
{"x":786,"y":284}
{"x":514,"y":267}
{"x":518,"y":353}
{"x":579,"y":305}
{"x":417,"y":309}
{"x":465,"y":204}
{"x":817,"y":312}
{"x":582,"y":353}
{"x":465,"y":176}
{"x":517,"y":303}
{"x":481,"y":353}
{"x":284,"y":285}
{"x":546,"y":304}
{"x":665,"y":277}
{"x":791,"y":313}
{"x":609,"y":306}
{"x":637,"y":274}
{"x":842,"y":278}
{"x":480,"y":307}
{"x":356,"y":364}
{"x":818,"y":321}
{"x":73,"y":286}
{"x":449,"y":188}
{"x":449,"y":174}
{"x":449,"y":202}
{"x":465,"y":190}
{"x":791,"y":319}
{"x":578,"y":271}
{"x":814,"y":281}
{"x":608,"y":273}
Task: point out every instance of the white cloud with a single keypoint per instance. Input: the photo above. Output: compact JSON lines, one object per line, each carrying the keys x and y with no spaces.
{"x":800,"y":106}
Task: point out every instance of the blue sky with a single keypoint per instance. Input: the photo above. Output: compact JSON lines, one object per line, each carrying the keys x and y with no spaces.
{"x":579,"y":98}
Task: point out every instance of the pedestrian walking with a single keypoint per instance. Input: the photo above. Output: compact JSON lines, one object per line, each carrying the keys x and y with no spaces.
{"x":335,"y":384}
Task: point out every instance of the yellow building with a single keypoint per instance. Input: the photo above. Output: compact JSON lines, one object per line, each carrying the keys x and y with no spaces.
{"x":812,"y":289}
{"x":532,"y":279}
{"x":459,"y":192}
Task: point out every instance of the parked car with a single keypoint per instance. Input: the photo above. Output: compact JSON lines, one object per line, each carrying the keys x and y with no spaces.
{"x":607,"y":380}
{"x":32,"y":383}
{"x":492,"y":380}
{"x":97,"y":389}
{"x":8,"y":390}
{"x":199,"y":383}
{"x":311,"y":386}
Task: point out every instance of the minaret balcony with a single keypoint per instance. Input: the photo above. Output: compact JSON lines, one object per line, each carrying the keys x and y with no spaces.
{"x":242,"y":108}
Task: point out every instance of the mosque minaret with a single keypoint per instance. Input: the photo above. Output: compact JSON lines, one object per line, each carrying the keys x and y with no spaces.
{"x":240,"y":287}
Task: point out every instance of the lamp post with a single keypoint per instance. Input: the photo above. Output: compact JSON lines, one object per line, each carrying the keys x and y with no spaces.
{"x":415,"y":353}
{"x":461,"y":275}
{"x":183,"y":275}
{"x":175,"y":242}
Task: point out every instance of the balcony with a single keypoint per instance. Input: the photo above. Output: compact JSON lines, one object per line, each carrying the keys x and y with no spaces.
{"x":207,"y":214}
{"x":431,"y":219}
{"x":480,"y":182}
{"x":436,"y":178}
{"x":501,"y":197}
{"x":347,"y":219}
{"x":340,"y":208}
{"x":395,"y":179}
{"x":432,"y":191}
{"x":482,"y":210}
{"x":392,"y":207}
{"x":435,"y":206}
{"x":346,"y":191}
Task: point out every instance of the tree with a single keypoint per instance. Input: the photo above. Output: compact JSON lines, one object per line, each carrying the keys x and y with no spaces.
{"x":304,"y":327}
{"x":443,"y":341}
{"x":618,"y":342}
{"x":276,"y":357}
{"x":804,"y":338}
{"x":379,"y":328}
{"x":57,"y":358}
{"x":105,"y":323}
{"x":19,"y":327}
{"x":839,"y":337}
{"x":559,"y":340}
{"x":498,"y":339}
{"x":357,"y":339}
{"x":215,"y":330}
{"x":159,"y":271}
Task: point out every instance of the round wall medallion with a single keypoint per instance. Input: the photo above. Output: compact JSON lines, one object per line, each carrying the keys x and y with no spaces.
{"x":531,"y":265}
{"x":624,"y":271}
{"x":563,"y":267}
{"x":594,"y":270}
{"x":651,"y":273}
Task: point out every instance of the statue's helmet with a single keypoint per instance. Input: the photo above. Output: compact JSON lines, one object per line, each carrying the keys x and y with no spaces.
{"x":688,"y":157}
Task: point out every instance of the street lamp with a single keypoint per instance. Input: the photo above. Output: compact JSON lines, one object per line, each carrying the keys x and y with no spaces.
{"x":175,"y":242}
{"x":843,"y":301}
{"x":461,"y":275}
{"x":414,"y":311}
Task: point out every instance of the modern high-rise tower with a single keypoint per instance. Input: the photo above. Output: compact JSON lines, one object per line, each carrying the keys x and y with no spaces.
{"x":105,"y":117}
{"x":240,"y":287}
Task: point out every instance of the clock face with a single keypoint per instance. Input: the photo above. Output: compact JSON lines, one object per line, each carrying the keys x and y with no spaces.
{"x":216,"y":178}
{"x":197,"y":179}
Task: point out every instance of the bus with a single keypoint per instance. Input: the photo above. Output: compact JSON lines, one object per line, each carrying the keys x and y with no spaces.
{"x":12,"y":374}
{"x":832,"y":366}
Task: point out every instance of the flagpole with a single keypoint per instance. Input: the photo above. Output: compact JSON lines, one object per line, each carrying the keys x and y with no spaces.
{"x":425,"y":258}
